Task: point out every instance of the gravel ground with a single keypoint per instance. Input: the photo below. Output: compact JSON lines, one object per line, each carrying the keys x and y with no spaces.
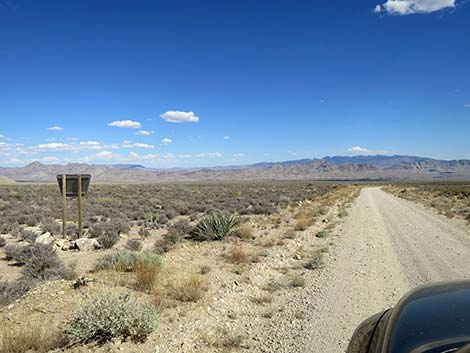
{"x":385,"y":247}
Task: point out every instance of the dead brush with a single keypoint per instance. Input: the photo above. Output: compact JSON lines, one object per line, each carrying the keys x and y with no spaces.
{"x":302,"y":224}
{"x":145,"y":275}
{"x":238,"y":255}
{"x":29,"y":338}
{"x":187,"y":288}
{"x":245,"y":231}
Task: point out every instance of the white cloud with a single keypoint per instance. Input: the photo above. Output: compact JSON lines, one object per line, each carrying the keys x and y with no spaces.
{"x":53,"y":146}
{"x":105,"y":155}
{"x":130,"y":144}
{"x":358,"y":149}
{"x":467,"y":105}
{"x":55,"y":128}
{"x":133,"y":155}
{"x":129,"y":124}
{"x":144,"y":132}
{"x":239,"y":155}
{"x":174,"y":116}
{"x":201,"y":155}
{"x":166,"y":141}
{"x":409,"y":7}
{"x":50,"y":159}
{"x":2,"y":137}
{"x":89,"y":143}
{"x":226,"y":137}
{"x":149,"y":156}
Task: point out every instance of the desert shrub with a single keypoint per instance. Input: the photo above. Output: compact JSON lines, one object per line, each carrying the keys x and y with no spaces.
{"x":43,"y":264}
{"x":16,"y":253}
{"x":12,"y":290}
{"x":245,"y":231}
{"x":50,"y":225}
{"x":205,"y":269}
{"x":188,"y":288}
{"x":126,"y":261}
{"x":167,"y":242}
{"x":110,"y":317}
{"x":182,"y":227}
{"x":237,"y":254}
{"x":29,"y":338}
{"x":302,"y":224}
{"x":15,"y":230}
{"x":134,"y":245}
{"x":146,"y":269}
{"x":162,"y":219}
{"x":108,"y":239}
{"x":297,"y":281}
{"x":28,"y":235}
{"x":216,"y":226}
{"x":144,"y":232}
{"x":322,"y":234}
{"x":5,"y":228}
{"x":2,"y":242}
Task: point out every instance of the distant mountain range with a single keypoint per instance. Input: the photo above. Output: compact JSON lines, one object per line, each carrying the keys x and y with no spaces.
{"x":377,"y":167}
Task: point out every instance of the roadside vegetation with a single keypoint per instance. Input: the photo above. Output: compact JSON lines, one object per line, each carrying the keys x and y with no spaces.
{"x":159,"y":265}
{"x":449,"y":199}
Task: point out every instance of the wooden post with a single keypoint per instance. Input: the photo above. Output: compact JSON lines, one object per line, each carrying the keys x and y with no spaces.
{"x":79,"y":205}
{"x":64,"y":205}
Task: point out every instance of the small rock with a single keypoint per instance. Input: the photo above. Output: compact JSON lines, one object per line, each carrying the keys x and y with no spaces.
{"x":45,"y":239}
{"x":87,"y":244}
{"x":297,"y":257}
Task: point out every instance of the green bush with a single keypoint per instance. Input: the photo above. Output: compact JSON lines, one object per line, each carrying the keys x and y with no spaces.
{"x":126,"y":261}
{"x":111,"y":316}
{"x":216,"y":226}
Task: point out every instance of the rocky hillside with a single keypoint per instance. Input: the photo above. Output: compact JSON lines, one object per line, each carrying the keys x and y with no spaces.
{"x":328,"y":168}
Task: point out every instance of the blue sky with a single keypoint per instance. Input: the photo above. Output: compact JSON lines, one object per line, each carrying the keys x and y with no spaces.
{"x":247,"y":81}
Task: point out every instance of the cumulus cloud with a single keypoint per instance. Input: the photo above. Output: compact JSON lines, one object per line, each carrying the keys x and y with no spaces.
{"x":89,"y":143}
{"x":55,"y":128}
{"x":166,"y":141}
{"x":129,"y":144}
{"x":144,"y":132}
{"x":133,"y":155}
{"x":175,"y":116}
{"x":105,"y":155}
{"x":226,"y":137}
{"x":409,"y":7}
{"x":53,"y":146}
{"x":2,"y":137}
{"x":128,"y":124}
{"x":358,"y":149}
{"x":467,"y":105}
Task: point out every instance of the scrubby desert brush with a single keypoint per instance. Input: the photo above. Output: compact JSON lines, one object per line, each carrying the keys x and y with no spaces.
{"x":134,"y":245}
{"x":126,"y":261}
{"x":2,"y":242}
{"x":302,"y":224}
{"x":188,"y":287}
{"x":238,"y":254}
{"x":111,"y":317}
{"x":29,"y":337}
{"x":245,"y":231}
{"x":216,"y":226}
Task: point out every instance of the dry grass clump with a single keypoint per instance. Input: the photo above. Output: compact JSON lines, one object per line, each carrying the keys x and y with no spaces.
{"x":297,"y":281}
{"x":302,"y":224}
{"x":187,"y":287}
{"x":238,"y":254}
{"x":29,"y":337}
{"x":245,"y":231}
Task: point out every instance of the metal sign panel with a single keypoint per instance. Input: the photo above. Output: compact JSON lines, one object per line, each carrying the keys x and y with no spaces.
{"x":72,"y":184}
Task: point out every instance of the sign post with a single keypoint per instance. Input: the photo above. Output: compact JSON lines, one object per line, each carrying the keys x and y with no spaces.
{"x":64,"y":205}
{"x":73,"y":185}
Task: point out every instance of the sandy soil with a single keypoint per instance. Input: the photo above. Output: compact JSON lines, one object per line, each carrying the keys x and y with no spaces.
{"x":385,"y":247}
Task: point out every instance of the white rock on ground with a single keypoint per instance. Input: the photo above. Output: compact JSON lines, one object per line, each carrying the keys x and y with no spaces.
{"x":87,"y":244}
{"x":45,"y":239}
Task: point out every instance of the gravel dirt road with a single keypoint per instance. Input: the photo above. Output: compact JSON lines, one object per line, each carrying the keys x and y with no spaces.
{"x":385,"y":247}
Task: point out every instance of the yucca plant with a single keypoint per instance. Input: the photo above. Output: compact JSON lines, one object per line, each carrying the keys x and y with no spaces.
{"x":216,"y":226}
